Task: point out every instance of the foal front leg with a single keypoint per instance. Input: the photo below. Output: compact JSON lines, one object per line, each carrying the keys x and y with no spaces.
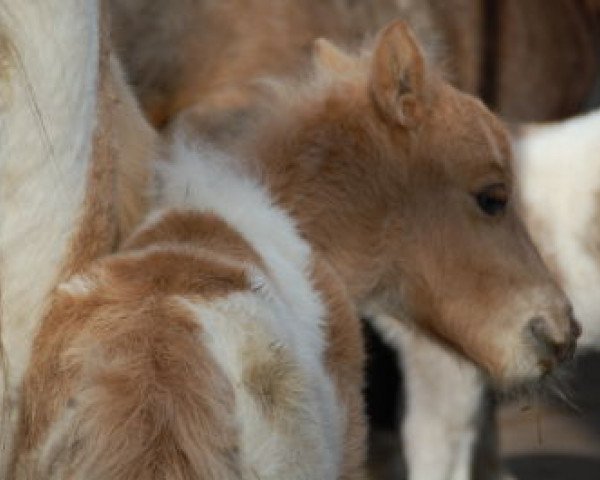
{"x":443,"y":404}
{"x":447,"y":420}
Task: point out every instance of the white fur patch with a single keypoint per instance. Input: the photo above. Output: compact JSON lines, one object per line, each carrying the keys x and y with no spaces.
{"x":78,"y":286}
{"x":558,"y":168}
{"x":282,"y":311}
{"x":46,"y":127}
{"x":207,"y":181}
{"x":443,"y":398}
{"x":301,"y":438}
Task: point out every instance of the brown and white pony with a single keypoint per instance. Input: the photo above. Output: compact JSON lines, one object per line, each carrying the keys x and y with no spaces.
{"x":426,"y":170}
{"x":215,"y":345}
{"x":421,"y":261}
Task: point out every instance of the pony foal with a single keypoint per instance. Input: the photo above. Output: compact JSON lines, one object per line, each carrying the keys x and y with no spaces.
{"x":378,"y":151}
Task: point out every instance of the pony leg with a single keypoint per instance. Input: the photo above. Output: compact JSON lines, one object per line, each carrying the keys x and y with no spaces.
{"x":443,"y":402}
{"x":449,"y":430}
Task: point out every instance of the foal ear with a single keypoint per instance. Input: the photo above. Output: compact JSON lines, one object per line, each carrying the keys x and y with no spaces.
{"x":330,"y":57}
{"x":398,"y":75}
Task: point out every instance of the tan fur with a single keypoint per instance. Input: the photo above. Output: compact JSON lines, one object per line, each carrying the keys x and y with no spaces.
{"x":345,"y":360}
{"x":97,"y":229}
{"x":117,"y":186}
{"x":199,"y":229}
{"x":341,"y":157}
{"x":136,"y":146}
{"x":120,"y":382}
{"x":119,"y":183}
{"x":124,"y":366}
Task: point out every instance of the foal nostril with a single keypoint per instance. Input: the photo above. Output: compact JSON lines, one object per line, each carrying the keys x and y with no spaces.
{"x":575,"y":329}
{"x":565,"y":350}
{"x":538,"y":330}
{"x":549,"y":349}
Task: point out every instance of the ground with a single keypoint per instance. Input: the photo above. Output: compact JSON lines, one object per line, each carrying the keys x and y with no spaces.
{"x":567,"y":443}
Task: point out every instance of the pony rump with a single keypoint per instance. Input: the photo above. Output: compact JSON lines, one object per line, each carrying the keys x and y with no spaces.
{"x":143,"y":412}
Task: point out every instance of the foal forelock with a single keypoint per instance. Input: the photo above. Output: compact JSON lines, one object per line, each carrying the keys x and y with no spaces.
{"x":497,"y":154}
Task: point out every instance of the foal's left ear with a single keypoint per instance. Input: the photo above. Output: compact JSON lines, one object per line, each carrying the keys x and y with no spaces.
{"x":326,"y":55}
{"x":398,"y":75}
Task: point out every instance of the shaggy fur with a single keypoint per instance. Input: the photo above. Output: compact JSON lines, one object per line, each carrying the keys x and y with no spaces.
{"x":193,"y":355}
{"x":363,"y":156}
{"x":204,"y":349}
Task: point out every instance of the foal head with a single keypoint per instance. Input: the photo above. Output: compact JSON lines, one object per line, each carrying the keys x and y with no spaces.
{"x":405,"y":184}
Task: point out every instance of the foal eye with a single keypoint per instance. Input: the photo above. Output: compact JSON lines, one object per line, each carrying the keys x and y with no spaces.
{"x":492,"y":199}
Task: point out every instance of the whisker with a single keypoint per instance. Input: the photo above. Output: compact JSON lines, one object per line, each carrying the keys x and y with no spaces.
{"x":538,"y":421}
